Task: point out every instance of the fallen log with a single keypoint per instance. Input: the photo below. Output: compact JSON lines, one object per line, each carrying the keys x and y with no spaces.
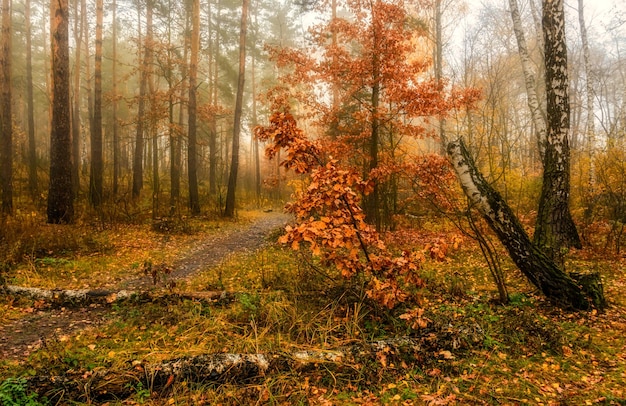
{"x":86,"y":297}
{"x":102,"y":384}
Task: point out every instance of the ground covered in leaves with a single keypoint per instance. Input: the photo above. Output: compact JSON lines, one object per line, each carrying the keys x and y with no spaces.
{"x":471,"y":351}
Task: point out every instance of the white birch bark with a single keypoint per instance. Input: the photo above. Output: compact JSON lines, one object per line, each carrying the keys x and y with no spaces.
{"x":529,"y":77}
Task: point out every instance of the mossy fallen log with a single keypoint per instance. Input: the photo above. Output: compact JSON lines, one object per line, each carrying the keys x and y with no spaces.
{"x":103,"y":384}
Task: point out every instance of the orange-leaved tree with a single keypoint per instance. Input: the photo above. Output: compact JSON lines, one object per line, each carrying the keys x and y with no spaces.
{"x":365,"y":136}
{"x":383,"y":93}
{"x":329,"y":217}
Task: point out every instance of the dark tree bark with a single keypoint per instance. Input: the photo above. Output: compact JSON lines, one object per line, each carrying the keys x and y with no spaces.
{"x":372,"y":201}
{"x":541,"y":271}
{"x":6,"y":136}
{"x":229,"y":210}
{"x":555,"y":229}
{"x":60,"y":196}
{"x":97,"y":158}
{"x":32,"y":148}
{"x":192,"y":153}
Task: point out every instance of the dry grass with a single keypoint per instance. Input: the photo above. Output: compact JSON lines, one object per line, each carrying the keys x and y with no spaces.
{"x":526,"y":352}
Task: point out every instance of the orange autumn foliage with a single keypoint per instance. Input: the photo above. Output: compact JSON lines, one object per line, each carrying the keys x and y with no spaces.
{"x":330,"y":221}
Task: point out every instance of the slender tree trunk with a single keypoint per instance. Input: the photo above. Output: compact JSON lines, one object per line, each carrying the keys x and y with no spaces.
{"x":97,"y":158}
{"x":78,"y":39}
{"x":172,"y":131}
{"x":87,"y":57}
{"x":334,"y":124}
{"x":192,"y":164}
{"x":255,"y":142}
{"x":229,"y":210}
{"x":529,"y":78}
{"x":540,"y":270}
{"x":154,"y":136}
{"x":6,"y":137}
{"x":141,"y":107}
{"x":372,"y":201}
{"x":589,"y":127}
{"x":60,"y":196}
{"x":184,"y":88}
{"x":116,"y":136}
{"x":32,"y":148}
{"x":555,"y":229}
{"x":213,"y":119}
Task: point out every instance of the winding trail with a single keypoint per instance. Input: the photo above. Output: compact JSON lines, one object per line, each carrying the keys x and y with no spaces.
{"x":19,"y":338}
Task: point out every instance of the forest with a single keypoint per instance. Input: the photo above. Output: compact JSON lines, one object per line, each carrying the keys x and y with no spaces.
{"x":404,"y":202}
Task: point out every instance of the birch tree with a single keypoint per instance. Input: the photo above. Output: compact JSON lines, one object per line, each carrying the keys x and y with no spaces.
{"x":555,"y":230}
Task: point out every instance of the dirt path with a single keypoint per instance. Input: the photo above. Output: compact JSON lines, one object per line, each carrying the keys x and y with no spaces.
{"x":19,"y":338}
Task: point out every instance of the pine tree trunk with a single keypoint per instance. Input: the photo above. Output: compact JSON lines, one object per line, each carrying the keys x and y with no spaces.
{"x":229,"y":210}
{"x":214,"y":52}
{"x":78,"y":39}
{"x":60,"y":196}
{"x":541,"y":271}
{"x":32,"y":148}
{"x":6,"y":136}
{"x":192,"y":153}
{"x":141,"y":107}
{"x":97,"y":164}
{"x":116,"y":140}
{"x":88,"y":85}
{"x":255,"y":142}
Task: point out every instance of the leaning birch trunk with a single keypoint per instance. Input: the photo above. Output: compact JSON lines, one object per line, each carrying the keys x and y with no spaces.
{"x":542,"y":272}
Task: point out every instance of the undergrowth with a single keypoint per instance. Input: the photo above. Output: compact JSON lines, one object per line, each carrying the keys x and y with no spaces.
{"x":473,"y":350}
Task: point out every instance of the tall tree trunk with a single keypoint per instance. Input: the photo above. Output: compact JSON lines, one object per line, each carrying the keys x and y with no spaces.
{"x":589,"y":127}
{"x":255,"y":142}
{"x":116,"y":136}
{"x":97,"y":164}
{"x":192,"y":164}
{"x":141,"y":107}
{"x":174,"y":136}
{"x":334,"y":124}
{"x":372,"y":201}
{"x":438,"y":66}
{"x":154,"y":136}
{"x":581,"y":293}
{"x":60,"y":196}
{"x":529,"y":78}
{"x":555,"y":229}
{"x":32,"y":147}
{"x":229,"y":210}
{"x":78,"y":39}
{"x":6,"y":137}
{"x":87,"y":58}
{"x":213,"y":119}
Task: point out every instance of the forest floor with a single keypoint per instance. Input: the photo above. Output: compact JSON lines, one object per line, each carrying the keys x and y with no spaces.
{"x":472,"y":351}
{"x":39,"y":324}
